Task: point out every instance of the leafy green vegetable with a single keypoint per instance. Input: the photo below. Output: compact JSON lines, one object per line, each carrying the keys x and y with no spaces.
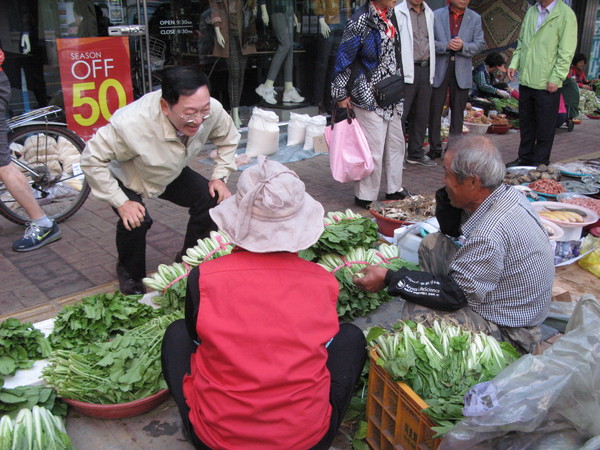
{"x":35,"y":429}
{"x":588,"y":102}
{"x":172,"y":300}
{"x":125,"y":369}
{"x":20,"y":345}
{"x":26,"y":397}
{"x":97,"y":318}
{"x":343,"y":232}
{"x":440,"y":363}
{"x":500,"y":103}
{"x":353,"y":302}
{"x":171,"y":296}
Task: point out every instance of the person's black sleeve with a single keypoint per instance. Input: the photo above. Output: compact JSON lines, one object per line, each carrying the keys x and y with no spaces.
{"x":433,"y":291}
{"x":192,"y":302}
{"x":447,"y":215}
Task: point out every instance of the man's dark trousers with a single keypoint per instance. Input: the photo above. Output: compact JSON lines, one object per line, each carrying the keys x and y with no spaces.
{"x":458,"y":102}
{"x":538,"y":112}
{"x":416,"y":109}
{"x":190,"y":190}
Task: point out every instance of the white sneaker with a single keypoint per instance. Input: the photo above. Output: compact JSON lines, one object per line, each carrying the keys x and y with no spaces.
{"x":292,"y":96}
{"x":267,"y":93}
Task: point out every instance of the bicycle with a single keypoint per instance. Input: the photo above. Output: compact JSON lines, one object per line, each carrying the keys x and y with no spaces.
{"x":48,"y":154}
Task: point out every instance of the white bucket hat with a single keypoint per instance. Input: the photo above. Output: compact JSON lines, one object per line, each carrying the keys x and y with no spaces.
{"x":271,"y":211}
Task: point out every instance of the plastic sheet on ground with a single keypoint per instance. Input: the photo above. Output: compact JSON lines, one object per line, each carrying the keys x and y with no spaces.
{"x":286,"y":154}
{"x":548,"y":401}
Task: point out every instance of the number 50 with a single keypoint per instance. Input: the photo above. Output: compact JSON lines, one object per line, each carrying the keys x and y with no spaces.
{"x":97,"y":107}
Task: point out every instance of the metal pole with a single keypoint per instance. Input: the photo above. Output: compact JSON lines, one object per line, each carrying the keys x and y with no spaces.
{"x":147,"y":39}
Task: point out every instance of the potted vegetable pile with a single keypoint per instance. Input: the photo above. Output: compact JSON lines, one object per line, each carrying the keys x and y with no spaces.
{"x":440,"y":364}
{"x":104,"y":351}
{"x":111,"y":373}
{"x":392,"y":214}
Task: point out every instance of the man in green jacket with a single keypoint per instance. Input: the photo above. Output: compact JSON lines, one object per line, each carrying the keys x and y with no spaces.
{"x":546,"y":46}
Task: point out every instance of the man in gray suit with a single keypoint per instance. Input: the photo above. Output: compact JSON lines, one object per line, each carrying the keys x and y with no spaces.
{"x":458,"y":37}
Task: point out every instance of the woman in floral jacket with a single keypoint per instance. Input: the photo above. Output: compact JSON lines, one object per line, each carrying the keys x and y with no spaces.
{"x":366,"y":56}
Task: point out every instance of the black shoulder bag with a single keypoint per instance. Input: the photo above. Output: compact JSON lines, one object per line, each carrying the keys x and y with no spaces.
{"x":390,"y":90}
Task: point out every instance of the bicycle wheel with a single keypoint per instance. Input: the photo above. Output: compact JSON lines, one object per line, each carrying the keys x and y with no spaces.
{"x":48,"y":156}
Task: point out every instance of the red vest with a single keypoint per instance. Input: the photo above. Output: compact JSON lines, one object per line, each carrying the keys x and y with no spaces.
{"x":259,"y":378}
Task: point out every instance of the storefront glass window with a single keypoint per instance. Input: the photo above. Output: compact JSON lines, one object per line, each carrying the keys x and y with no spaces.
{"x":181,"y":32}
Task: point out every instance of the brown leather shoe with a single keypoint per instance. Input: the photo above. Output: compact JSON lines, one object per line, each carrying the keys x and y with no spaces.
{"x":127,"y":284}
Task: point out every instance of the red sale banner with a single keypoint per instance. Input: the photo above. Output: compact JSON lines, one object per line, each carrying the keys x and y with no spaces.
{"x":95,"y":76}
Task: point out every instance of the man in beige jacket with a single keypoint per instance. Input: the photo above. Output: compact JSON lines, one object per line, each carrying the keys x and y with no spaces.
{"x":144,"y":151}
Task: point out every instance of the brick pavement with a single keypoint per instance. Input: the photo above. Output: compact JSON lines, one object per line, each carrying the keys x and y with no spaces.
{"x":84,"y":259}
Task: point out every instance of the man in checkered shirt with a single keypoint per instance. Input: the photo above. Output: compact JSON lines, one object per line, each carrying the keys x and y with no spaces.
{"x":492,"y":267}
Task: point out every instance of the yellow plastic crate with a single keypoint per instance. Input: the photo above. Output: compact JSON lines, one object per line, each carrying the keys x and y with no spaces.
{"x":394,"y":416}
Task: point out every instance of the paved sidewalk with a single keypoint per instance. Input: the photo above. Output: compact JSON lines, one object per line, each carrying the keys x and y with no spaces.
{"x":35,"y":284}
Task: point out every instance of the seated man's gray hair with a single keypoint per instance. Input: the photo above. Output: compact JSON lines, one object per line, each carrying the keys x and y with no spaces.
{"x":477,"y":156}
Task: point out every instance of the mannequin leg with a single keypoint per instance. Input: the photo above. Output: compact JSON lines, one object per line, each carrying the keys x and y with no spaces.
{"x":236,"y":63}
{"x":235,"y":115}
{"x":282,"y":26}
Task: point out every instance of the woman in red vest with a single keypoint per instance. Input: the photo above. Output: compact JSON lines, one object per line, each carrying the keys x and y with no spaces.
{"x":261,"y":361}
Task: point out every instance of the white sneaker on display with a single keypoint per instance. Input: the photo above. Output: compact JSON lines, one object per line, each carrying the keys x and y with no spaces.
{"x":267,"y":93}
{"x":292,"y":96}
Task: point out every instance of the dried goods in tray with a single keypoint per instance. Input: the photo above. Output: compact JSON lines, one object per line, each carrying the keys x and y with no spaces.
{"x":415,"y":208}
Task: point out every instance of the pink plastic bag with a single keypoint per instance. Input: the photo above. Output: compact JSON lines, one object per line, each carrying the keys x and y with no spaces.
{"x":349,"y":154}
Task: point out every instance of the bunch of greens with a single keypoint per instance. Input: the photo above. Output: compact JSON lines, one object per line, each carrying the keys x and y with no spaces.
{"x":35,"y":429}
{"x":343,"y":232}
{"x":125,"y":369}
{"x":588,"y":102}
{"x":97,"y":318}
{"x":20,"y":345}
{"x":26,"y":397}
{"x":440,"y":363}
{"x":352,"y":301}
{"x":170,"y":281}
{"x":500,"y":103}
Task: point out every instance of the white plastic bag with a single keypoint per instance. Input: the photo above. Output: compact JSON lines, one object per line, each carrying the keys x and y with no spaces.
{"x":263,"y":133}
{"x":296,"y":129}
{"x":547,"y":401}
{"x":315,"y":126}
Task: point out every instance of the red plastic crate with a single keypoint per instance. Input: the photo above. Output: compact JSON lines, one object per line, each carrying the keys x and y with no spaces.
{"x":394,"y":416}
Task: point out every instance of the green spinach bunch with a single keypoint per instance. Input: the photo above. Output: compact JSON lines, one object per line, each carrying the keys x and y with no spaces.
{"x":125,"y":369}
{"x":20,"y":346}
{"x":343,"y":232}
{"x":97,"y":318}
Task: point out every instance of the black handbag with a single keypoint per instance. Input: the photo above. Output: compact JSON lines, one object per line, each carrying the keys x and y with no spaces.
{"x":390,"y":90}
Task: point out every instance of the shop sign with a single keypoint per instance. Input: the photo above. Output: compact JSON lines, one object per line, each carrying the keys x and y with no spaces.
{"x":95,"y":76}
{"x":175,"y":26}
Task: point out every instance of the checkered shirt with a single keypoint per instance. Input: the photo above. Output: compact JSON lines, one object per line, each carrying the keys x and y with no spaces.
{"x":506,"y":265}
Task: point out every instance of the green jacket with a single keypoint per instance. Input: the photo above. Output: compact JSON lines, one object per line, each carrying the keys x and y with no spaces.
{"x":546,"y":56}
